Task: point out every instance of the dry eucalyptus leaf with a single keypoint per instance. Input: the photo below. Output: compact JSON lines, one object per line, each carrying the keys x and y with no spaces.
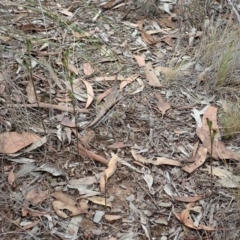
{"x":100,"y":201}
{"x":187,"y":199}
{"x":112,"y":166}
{"x":11,"y":177}
{"x":11,"y":142}
{"x":184,"y":218}
{"x":162,"y":106}
{"x":151,"y":76}
{"x":73,"y":69}
{"x":140,"y":60}
{"x":58,"y":206}
{"x":199,"y":159}
{"x":128,"y":80}
{"x":90,"y":93}
{"x":65,"y":198}
{"x":87,"y":69}
{"x":30,"y":92}
{"x":36,"y":197}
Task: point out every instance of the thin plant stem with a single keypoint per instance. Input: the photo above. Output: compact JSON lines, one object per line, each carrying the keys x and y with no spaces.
{"x":28,"y":65}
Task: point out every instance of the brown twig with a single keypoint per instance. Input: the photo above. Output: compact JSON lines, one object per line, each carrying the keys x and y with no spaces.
{"x":82,"y":151}
{"x":48,"y":105}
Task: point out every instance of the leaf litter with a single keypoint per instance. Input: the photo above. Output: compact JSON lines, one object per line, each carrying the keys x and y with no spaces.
{"x":131,"y":177}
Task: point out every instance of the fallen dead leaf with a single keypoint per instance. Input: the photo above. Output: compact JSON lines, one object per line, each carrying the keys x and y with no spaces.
{"x":162,"y":106}
{"x":30,"y":92}
{"x":187,"y":199}
{"x":11,"y":177}
{"x":64,"y":198}
{"x":100,"y":201}
{"x":112,"y":218}
{"x":183,"y":217}
{"x":112,"y":166}
{"x":30,"y":225}
{"x":219,"y":150}
{"x":228,"y":179}
{"x":32,"y":212}
{"x":138,"y":157}
{"x":110,"y":78}
{"x":113,"y":97}
{"x":151,"y":76}
{"x":211,"y":114}
{"x":58,"y":206}
{"x":149,"y":39}
{"x":103,"y":95}
{"x":128,"y":80}
{"x":11,"y":142}
{"x":73,"y":69}
{"x":199,"y":159}
{"x":68,"y":122}
{"x":87,"y":69}
{"x":140,"y":60}
{"x":110,"y":3}
{"x":158,"y":162}
{"x":118,"y":145}
{"x":66,"y":12}
{"x":36,"y":197}
{"x":90,"y":93}
{"x":82,"y":35}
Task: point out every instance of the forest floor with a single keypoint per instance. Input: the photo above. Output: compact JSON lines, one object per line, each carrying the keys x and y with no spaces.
{"x":119,"y":120}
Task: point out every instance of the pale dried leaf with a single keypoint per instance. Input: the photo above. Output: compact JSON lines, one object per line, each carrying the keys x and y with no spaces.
{"x":100,"y":201}
{"x":112,"y":166}
{"x":34,"y":196}
{"x":112,"y":218}
{"x":100,"y":97}
{"x":118,"y":145}
{"x":90,"y":93}
{"x":30,"y":92}
{"x":199,"y":159}
{"x":64,"y":198}
{"x":58,"y":206}
{"x":162,"y":106}
{"x":73,"y":69}
{"x":140,"y":60}
{"x":151,"y":76}
{"x":187,"y":199}
{"x":11,"y":177}
{"x":128,"y":80}
{"x":87,"y":69}
{"x":11,"y":142}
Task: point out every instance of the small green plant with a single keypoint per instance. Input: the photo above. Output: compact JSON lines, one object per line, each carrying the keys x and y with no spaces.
{"x":212,"y":133}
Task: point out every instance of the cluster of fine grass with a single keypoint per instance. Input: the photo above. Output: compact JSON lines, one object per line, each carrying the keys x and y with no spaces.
{"x":230,"y":119}
{"x":220,"y":51}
